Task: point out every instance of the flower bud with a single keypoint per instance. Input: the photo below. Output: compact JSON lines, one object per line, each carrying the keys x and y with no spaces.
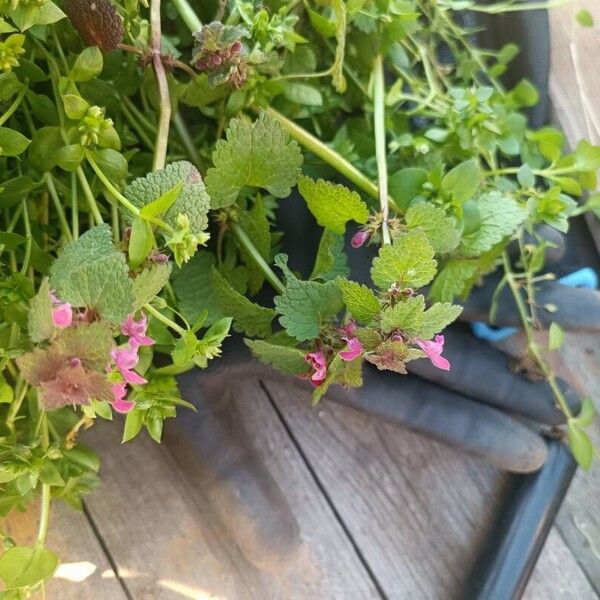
{"x":359,"y":238}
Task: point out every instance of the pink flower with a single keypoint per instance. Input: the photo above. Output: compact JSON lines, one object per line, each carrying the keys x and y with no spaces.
{"x":434,"y":350}
{"x":353,"y":349}
{"x":126,"y":358}
{"x":348,"y":329}
{"x":319,"y":364}
{"x":359,"y":238}
{"x":62,"y":313}
{"x":119,"y":403}
{"x":136,"y":330}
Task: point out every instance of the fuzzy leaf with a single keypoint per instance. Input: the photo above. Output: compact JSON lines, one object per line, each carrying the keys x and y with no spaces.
{"x":453,"y":279}
{"x":408,"y":262}
{"x":359,"y":300}
{"x":192,"y":201}
{"x":149,"y":283}
{"x":331,"y":261}
{"x":91,"y":273}
{"x":437,"y":227}
{"x":248,"y":317}
{"x":437,"y":318}
{"x":91,"y":343}
{"x":286,"y":359}
{"x":347,"y":374}
{"x":258,"y":154}
{"x":39,"y":324}
{"x":304,"y":305}
{"x":499,"y":216}
{"x":333,"y":205}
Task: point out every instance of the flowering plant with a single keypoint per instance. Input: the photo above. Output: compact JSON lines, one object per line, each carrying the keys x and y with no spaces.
{"x":143,"y":155}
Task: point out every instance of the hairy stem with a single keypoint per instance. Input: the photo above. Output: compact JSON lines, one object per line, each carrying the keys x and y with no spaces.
{"x":89,"y":196}
{"x":262,"y":264}
{"x":45,"y":503}
{"x":188,"y":15}
{"x":168,"y":322}
{"x":162,"y":135}
{"x":380,"y":145}
{"x":11,"y":109}
{"x":62,"y":219}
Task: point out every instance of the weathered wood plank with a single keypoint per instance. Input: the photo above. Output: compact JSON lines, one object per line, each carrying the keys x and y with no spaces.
{"x":85,"y":572}
{"x":166,"y":539}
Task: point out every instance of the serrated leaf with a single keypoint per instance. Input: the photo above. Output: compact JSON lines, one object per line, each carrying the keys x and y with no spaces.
{"x":438,"y":228}
{"x":452,"y":280}
{"x":248,"y":317}
{"x":408,"y":262}
{"x":258,"y":154}
{"x":331,"y":261}
{"x":90,"y":342}
{"x":304,"y":305}
{"x":192,"y":201}
{"x":359,"y":300}
{"x":39,"y":321}
{"x":499,"y":216}
{"x":255,"y":224}
{"x":286,"y":359}
{"x":333,"y":205}
{"x":437,"y":318}
{"x":91,"y":273}
{"x":149,"y":283}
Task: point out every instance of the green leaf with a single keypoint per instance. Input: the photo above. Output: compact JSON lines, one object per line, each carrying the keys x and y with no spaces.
{"x":359,"y":300}
{"x":23,"y":566}
{"x":580,"y":444}
{"x":406,"y":316}
{"x":525,"y":94}
{"x":210,"y":345}
{"x":141,"y":242}
{"x":90,"y":342}
{"x":258,"y":154}
{"x":248,"y":317}
{"x":462,"y":182}
{"x":133,"y":424}
{"x":331,"y":261}
{"x":556,"y":336}
{"x":112,"y":163}
{"x":162,"y":203}
{"x":405,"y":184}
{"x":587,"y":414}
{"x":438,"y":228}
{"x":255,"y":224}
{"x":26,"y":16}
{"x":584,"y":18}
{"x":70,"y":157}
{"x":9,"y":85}
{"x":149,"y":283}
{"x":39,"y":323}
{"x":437,"y":318}
{"x":305,"y":305}
{"x":88,"y":64}
{"x":7,"y":394}
{"x":301,"y":93}
{"x":499,"y":216}
{"x":192,"y":201}
{"x":12,"y":143}
{"x":75,"y":106}
{"x":49,"y":474}
{"x":408,"y":262}
{"x":10,"y":240}
{"x":587,"y":157}
{"x":91,"y":273}
{"x":453,"y":279}
{"x":525,"y":176}
{"x":333,"y":205}
{"x":285,"y":359}
{"x":44,"y":147}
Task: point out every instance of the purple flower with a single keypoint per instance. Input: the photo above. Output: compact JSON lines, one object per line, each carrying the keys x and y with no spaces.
{"x":319,"y":364}
{"x":136,"y":330}
{"x":359,"y":238}
{"x":434,"y":349}
{"x":119,"y":403}
{"x":126,"y":359}
{"x":62,"y":313}
{"x":353,"y":349}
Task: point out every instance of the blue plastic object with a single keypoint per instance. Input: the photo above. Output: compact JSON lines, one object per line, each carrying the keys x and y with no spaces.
{"x":584,"y":278}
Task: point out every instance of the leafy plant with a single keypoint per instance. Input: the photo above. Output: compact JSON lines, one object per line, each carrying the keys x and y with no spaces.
{"x":131,"y":140}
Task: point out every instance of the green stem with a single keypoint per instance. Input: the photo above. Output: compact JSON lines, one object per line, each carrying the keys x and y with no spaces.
{"x":504,"y":7}
{"x":64,"y":225}
{"x":189,"y":16}
{"x":532,"y":345}
{"x":89,"y":196}
{"x":160,"y":317}
{"x":74,"y":206}
{"x":262,"y":264}
{"x":137,"y":126}
{"x":11,"y":109}
{"x":28,"y":237}
{"x":45,"y":504}
{"x":380,"y":145}
{"x":139,"y":115}
{"x":186,"y":138}
{"x":330,"y":156}
{"x":164,"y":120}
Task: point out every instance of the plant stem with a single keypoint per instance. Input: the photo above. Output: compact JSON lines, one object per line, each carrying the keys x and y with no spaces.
{"x":330,"y":156}
{"x":11,"y":109}
{"x":74,"y":206}
{"x":188,"y":15}
{"x":89,"y":196}
{"x":45,"y":504}
{"x":137,"y":126}
{"x":262,"y":264}
{"x":532,"y":345}
{"x":186,"y":138}
{"x":162,"y":135}
{"x":168,"y":322}
{"x":64,"y":225}
{"x":380,"y":145}
{"x":28,"y":237}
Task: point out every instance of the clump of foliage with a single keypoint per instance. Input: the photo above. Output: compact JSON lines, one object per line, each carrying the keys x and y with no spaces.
{"x":143,"y":155}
